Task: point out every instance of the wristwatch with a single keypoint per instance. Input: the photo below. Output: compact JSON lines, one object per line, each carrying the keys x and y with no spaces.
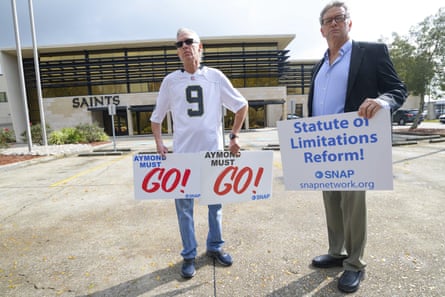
{"x":233,"y":136}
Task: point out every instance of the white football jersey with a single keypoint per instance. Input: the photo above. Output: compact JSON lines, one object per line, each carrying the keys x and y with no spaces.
{"x":195,"y":101}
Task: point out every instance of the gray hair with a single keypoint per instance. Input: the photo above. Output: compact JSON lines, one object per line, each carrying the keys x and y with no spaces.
{"x":190,"y":32}
{"x":334,"y":4}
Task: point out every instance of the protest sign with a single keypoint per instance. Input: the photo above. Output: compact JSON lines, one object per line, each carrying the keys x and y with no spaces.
{"x":214,"y":177}
{"x":228,"y":178}
{"x":174,"y":176}
{"x":337,"y":152}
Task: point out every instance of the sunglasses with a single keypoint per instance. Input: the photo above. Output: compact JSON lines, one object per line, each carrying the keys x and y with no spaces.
{"x":188,"y":41}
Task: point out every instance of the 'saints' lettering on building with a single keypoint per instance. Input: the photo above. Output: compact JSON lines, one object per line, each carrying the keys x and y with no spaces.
{"x":92,"y":101}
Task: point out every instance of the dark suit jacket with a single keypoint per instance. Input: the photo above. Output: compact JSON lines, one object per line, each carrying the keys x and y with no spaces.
{"x":371,"y":75}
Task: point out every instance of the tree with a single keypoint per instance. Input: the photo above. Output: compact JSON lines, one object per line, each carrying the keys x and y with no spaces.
{"x":420,"y":58}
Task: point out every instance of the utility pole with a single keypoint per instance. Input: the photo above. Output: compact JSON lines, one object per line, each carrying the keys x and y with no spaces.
{"x":37,"y":69}
{"x":21,"y":73}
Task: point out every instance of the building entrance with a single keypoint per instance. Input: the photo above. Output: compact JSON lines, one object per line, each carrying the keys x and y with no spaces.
{"x":120,"y":123}
{"x":100,"y":115}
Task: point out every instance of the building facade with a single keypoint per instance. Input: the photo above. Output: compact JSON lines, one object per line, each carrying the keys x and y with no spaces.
{"x":80,"y":82}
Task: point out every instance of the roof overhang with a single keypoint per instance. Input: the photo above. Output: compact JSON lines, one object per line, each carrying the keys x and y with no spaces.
{"x":281,"y":40}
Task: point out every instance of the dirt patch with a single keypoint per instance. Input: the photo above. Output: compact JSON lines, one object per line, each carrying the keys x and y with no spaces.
{"x":422,"y":131}
{"x":8,"y":159}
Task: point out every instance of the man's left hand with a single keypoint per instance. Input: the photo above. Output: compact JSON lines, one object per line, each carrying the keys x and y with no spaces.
{"x":369,"y":108}
{"x":234,"y":147}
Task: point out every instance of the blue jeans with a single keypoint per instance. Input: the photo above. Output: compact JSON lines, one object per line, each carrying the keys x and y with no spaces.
{"x":184,"y":211}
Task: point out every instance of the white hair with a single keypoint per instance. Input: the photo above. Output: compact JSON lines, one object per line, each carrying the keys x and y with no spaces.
{"x":190,"y":32}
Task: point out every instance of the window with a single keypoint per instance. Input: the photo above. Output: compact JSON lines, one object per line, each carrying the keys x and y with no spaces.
{"x":3,"y":97}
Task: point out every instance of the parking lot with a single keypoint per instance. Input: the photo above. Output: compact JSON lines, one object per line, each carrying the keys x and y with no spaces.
{"x":70,"y":226}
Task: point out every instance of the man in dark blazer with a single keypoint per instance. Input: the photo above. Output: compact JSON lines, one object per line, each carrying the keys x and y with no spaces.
{"x":352,"y":76}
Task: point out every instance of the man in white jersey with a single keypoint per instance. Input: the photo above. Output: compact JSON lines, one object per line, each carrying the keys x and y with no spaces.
{"x":195,"y":95}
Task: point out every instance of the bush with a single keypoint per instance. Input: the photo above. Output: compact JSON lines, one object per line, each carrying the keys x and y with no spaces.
{"x":36,"y":133}
{"x":92,"y":132}
{"x":56,"y":137}
{"x":6,"y":137}
{"x":72,"y":135}
{"x":83,"y":133}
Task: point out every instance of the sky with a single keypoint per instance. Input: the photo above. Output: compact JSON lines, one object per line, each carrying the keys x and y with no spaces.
{"x":61,"y":22}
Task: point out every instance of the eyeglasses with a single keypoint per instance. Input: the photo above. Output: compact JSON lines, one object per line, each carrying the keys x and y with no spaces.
{"x":338,"y":19}
{"x":188,"y":41}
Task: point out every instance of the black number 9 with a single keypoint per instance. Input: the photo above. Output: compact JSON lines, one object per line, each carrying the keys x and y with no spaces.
{"x":194,"y":95}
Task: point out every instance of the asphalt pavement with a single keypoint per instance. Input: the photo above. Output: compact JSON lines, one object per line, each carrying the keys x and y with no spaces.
{"x":70,"y":226}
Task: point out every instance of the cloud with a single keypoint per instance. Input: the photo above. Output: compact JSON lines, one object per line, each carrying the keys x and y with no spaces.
{"x":61,"y":22}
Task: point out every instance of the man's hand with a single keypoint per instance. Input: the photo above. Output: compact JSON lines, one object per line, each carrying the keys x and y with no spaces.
{"x":369,"y":108}
{"x":161,"y":149}
{"x":234,"y":147}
